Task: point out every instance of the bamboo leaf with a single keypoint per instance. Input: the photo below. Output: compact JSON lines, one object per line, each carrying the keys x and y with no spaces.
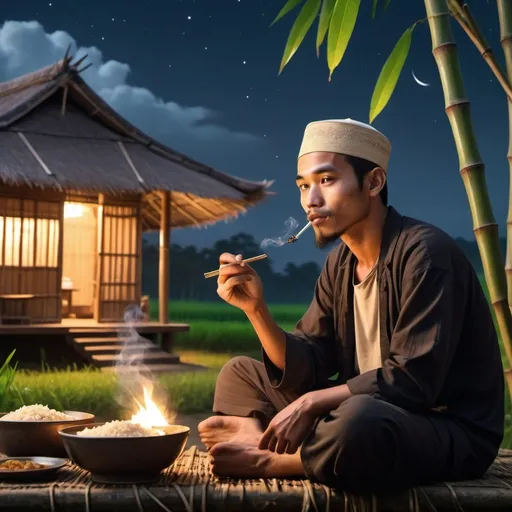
{"x":374,"y":8}
{"x":390,"y":73}
{"x":299,"y":30}
{"x":288,"y":6}
{"x":323,"y":24}
{"x":342,"y":25}
{"x":386,"y":3}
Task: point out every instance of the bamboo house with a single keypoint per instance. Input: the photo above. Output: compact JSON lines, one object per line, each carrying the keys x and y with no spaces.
{"x":79,"y":186}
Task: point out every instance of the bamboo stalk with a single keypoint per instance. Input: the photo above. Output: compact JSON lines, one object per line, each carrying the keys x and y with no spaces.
{"x":472,"y":168}
{"x":505,"y":21}
{"x":467,"y":22}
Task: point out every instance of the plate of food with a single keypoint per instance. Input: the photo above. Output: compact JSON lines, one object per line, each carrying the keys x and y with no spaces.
{"x":29,"y":468}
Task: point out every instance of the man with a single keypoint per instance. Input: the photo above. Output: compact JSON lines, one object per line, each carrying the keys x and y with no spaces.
{"x":393,"y":376}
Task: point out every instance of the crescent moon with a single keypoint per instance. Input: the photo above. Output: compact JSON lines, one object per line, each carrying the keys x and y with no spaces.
{"x":419,"y":81}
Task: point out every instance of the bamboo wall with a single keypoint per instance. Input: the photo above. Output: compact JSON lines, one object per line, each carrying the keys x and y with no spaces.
{"x":119,"y":271}
{"x":30,"y":238}
{"x":80,"y":252}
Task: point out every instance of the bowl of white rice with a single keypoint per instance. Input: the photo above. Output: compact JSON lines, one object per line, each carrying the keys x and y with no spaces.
{"x":32,"y":430}
{"x":123,"y":452}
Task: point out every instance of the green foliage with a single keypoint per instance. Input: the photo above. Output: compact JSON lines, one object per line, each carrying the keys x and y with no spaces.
{"x":7,"y":375}
{"x":337,"y":22}
{"x":84,"y":390}
{"x":218,"y":327}
{"x":221,"y":336}
{"x":191,"y":311}
{"x":323,"y":23}
{"x":374,"y":7}
{"x":390,"y":73}
{"x":288,"y":6}
{"x":299,"y":30}
{"x":343,"y":21}
{"x":96,"y":392}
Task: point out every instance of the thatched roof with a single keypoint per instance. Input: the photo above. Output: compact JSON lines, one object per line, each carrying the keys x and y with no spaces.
{"x":57,"y":133}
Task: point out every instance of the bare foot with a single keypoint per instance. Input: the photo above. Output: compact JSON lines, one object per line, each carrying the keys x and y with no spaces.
{"x":230,"y":429}
{"x":248,"y":461}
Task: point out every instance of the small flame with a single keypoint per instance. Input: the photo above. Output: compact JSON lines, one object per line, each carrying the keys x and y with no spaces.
{"x":149,"y":416}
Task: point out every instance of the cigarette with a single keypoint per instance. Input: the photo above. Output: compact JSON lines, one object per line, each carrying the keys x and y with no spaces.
{"x":214,"y":273}
{"x":294,"y":238}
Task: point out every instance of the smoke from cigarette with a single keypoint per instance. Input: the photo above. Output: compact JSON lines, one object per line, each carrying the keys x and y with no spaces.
{"x":291,"y":226}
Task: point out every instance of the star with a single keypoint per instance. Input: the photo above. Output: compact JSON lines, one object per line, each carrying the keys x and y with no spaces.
{"x":244,"y":62}
{"x":189,"y":17}
{"x":50,"y":4}
{"x":206,"y":47}
{"x":247,"y":96}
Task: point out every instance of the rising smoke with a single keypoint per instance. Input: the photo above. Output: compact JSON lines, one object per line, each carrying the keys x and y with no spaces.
{"x":133,"y":374}
{"x":290,"y":226}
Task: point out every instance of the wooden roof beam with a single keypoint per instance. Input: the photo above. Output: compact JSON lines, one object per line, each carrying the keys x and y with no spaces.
{"x":184,"y":213}
{"x":39,"y":160}
{"x":195,"y":204}
{"x":127,"y":157}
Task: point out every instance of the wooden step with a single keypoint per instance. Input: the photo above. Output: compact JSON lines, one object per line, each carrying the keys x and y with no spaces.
{"x":94,"y":334}
{"x":117,"y":347}
{"x":159,"y":357}
{"x":98,"y":341}
{"x":91,"y":330}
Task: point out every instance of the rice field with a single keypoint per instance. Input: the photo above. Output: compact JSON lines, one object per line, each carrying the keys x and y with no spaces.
{"x":219,"y":327}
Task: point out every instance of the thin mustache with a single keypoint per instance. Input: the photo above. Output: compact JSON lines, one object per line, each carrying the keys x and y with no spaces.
{"x":318,"y":214}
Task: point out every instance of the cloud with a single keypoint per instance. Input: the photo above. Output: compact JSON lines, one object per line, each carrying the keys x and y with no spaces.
{"x":25,"y":47}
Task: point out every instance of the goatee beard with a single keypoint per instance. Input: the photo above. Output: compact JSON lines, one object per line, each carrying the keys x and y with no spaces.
{"x":322,"y":241}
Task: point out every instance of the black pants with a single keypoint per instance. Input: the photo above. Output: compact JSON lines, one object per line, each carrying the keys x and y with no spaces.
{"x":365,"y":444}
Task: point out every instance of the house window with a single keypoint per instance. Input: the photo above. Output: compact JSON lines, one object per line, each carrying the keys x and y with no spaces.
{"x":29,"y":233}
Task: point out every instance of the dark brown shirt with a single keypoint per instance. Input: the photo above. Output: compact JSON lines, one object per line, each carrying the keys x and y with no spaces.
{"x":438,"y":342}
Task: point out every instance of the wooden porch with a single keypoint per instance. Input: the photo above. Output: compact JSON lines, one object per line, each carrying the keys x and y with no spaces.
{"x":87,"y":325}
{"x":105,"y":345}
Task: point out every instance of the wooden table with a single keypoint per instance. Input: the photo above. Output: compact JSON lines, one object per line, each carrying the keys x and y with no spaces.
{"x":19,"y":303}
{"x":191,"y":487}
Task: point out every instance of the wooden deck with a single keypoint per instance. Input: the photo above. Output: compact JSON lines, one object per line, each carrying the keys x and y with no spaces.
{"x":87,"y":342}
{"x":86,"y":325}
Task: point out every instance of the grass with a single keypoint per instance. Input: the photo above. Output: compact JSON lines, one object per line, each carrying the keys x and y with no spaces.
{"x":219,"y":327}
{"x":221,"y":336}
{"x":185,"y":311}
{"x":96,"y":392}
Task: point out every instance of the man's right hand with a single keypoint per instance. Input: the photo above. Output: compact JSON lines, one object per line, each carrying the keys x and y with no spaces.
{"x":238,"y":284}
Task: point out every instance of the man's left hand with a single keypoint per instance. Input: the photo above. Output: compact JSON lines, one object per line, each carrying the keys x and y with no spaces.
{"x":288,"y":429}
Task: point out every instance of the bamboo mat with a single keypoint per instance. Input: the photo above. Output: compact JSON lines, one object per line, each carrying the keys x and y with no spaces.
{"x":191,"y":487}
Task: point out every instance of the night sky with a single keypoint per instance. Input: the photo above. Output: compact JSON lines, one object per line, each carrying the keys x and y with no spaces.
{"x":202,"y":77}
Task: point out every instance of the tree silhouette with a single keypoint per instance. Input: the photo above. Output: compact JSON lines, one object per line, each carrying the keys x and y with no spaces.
{"x":294,"y":285}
